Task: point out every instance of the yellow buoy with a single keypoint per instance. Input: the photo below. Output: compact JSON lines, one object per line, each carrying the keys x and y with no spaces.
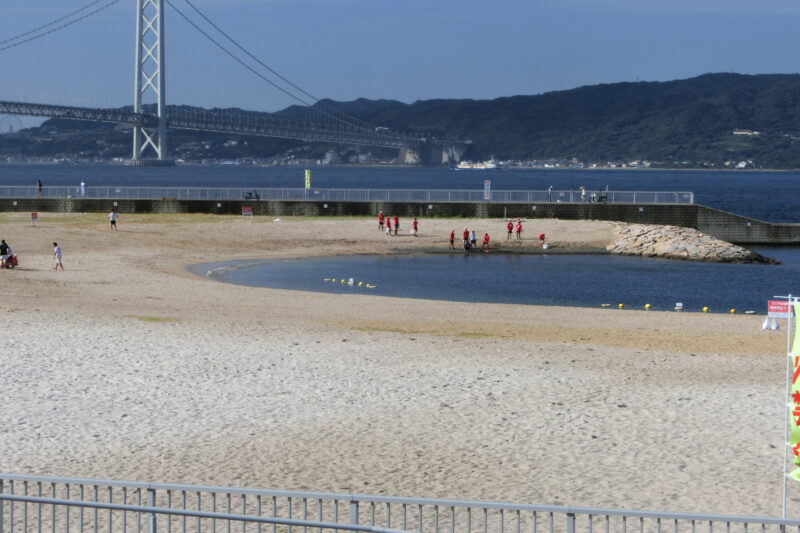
{"x":647,"y":306}
{"x":342,"y":281}
{"x":621,"y":305}
{"x":733,"y":311}
{"x":705,"y":309}
{"x":360,"y":283}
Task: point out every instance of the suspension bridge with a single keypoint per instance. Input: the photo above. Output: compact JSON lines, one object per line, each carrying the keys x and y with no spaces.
{"x":320,"y":121}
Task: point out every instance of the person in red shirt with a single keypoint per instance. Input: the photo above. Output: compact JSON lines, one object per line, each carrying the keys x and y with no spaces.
{"x":396,"y":224}
{"x":380,"y":220}
{"x":519,"y":229}
{"x":452,"y":239}
{"x":466,"y":235}
{"x":414,"y":227}
{"x":541,"y":239}
{"x":485,"y":245}
{"x":510,"y":227}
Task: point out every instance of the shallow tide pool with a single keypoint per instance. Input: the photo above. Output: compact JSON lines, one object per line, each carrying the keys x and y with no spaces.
{"x":542,"y":279}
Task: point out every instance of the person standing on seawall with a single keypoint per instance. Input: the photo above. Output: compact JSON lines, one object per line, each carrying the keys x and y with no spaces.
{"x":452,"y":239}
{"x":414,"y":227}
{"x":83,"y":189}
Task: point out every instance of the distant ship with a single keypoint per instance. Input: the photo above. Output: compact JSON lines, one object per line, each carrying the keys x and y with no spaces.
{"x":484,"y":165}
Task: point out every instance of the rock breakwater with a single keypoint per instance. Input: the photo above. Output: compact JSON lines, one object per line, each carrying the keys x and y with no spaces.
{"x":674,"y":242}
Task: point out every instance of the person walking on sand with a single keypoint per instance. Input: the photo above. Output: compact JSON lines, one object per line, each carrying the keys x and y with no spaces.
{"x":388,"y":226}
{"x":414,"y":227}
{"x":519,"y":229}
{"x":396,"y":224}
{"x":380,"y":220}
{"x":510,"y":228}
{"x":112,"y":218}
{"x":541,"y":239}
{"x":466,"y":235}
{"x":57,"y":256}
{"x":485,"y":245}
{"x":473,"y":240}
{"x":452,"y":239}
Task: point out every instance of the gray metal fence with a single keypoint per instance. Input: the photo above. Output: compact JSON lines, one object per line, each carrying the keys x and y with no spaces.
{"x":351,"y":195}
{"x":36,"y":503}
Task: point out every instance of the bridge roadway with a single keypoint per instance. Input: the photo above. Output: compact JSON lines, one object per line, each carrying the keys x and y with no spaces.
{"x":249,"y":125}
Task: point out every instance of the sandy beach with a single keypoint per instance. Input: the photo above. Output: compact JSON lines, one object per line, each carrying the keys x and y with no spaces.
{"x":128,"y":366}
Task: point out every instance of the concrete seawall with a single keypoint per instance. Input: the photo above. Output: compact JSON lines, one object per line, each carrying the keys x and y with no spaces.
{"x":720,"y":224}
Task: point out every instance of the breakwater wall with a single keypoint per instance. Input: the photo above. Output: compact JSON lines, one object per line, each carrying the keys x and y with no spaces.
{"x":720,"y":224}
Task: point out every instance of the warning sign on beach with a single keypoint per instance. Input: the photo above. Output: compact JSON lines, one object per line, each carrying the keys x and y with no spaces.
{"x":778,"y":309}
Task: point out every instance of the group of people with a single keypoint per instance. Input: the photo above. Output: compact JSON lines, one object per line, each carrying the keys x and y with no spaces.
{"x":470,"y":240}
{"x":9,"y":260}
{"x":387,"y":221}
{"x":6,"y":255}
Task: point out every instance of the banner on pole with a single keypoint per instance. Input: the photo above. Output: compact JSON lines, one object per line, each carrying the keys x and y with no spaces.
{"x":308,"y":179}
{"x":794,"y":400}
{"x":778,"y":309}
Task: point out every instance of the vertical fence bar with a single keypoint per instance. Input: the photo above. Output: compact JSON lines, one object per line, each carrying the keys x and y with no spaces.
{"x":110,"y":500}
{"x":214,"y":509}
{"x":258,"y":511}
{"x":80,"y":514}
{"x":11,"y":509}
{"x":228,"y":499}
{"x":53,"y":509}
{"x":275,"y":513}
{"x":39,"y":508}
{"x":25,"y":506}
{"x":244,"y":512}
{"x":198,"y":503}
{"x":67,"y":510}
{"x":183,"y":505}
{"x":570,"y":523}
{"x":151,"y":517}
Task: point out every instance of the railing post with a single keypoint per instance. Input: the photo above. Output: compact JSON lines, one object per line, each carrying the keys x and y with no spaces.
{"x":151,"y":518}
{"x":353,"y":512}
{"x":570,"y":522}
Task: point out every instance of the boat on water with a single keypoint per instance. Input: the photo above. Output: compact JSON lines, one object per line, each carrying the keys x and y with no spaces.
{"x":481,"y":165}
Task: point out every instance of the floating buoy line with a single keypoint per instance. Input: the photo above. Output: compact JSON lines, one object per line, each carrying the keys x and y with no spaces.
{"x":679,"y":307}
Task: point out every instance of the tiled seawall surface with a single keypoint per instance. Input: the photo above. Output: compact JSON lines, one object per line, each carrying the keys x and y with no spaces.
{"x":726,"y":226}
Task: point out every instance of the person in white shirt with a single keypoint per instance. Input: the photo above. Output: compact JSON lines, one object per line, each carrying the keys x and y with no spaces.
{"x":112,"y":217}
{"x":57,"y":256}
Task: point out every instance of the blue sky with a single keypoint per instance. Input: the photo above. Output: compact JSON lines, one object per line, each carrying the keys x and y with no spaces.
{"x":405,"y":50}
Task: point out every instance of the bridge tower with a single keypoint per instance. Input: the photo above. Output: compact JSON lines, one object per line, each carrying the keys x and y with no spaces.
{"x":149,"y":77}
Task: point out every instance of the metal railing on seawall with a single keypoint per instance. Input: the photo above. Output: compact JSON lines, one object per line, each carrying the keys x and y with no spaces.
{"x":350,"y":195}
{"x":37,"y":503}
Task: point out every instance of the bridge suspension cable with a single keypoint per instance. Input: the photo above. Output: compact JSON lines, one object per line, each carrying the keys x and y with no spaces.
{"x":4,"y":43}
{"x":320,"y":107}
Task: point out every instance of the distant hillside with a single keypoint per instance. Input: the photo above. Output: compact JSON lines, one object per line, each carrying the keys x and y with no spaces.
{"x":677,"y":123}
{"x":669,"y":122}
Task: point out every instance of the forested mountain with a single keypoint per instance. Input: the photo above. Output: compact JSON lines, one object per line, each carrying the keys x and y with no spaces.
{"x":683,"y":122}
